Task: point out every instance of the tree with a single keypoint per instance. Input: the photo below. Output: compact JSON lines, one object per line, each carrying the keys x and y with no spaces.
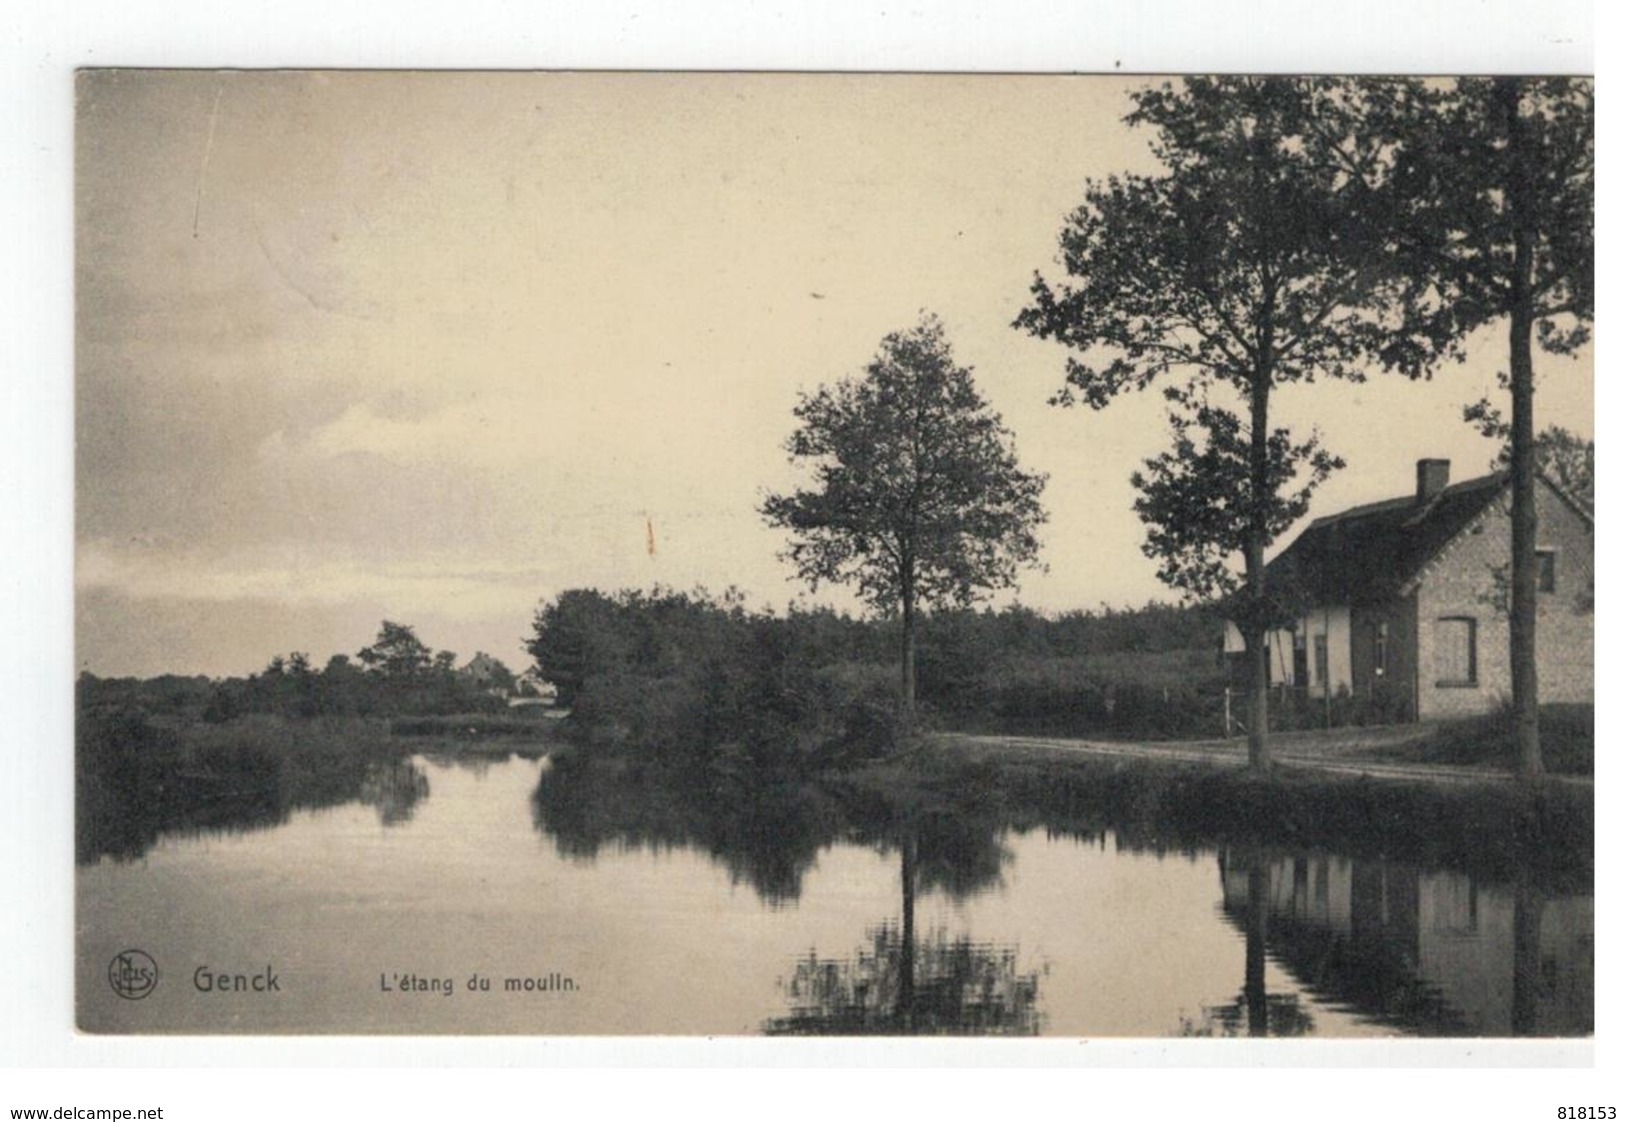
{"x":918,"y":498}
{"x":1247,"y":264}
{"x":1495,"y":216}
{"x":580,"y":634}
{"x":1565,"y":458}
{"x":397,"y":653}
{"x":1568,"y":461}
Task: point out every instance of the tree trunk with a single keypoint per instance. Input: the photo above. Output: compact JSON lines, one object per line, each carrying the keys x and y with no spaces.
{"x":1255,"y":628}
{"x":1256,"y":641}
{"x":905,"y":965}
{"x":1525,"y":597}
{"x":1527,"y":907}
{"x":1253,"y":986}
{"x":906,"y":702}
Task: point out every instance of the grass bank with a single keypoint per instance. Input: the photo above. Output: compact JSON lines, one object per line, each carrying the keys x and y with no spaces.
{"x":140,"y":777}
{"x":1567,"y":742}
{"x":521,"y":728}
{"x":1498,"y":830}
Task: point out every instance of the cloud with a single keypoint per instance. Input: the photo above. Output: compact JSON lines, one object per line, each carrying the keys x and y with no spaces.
{"x":160,"y":575}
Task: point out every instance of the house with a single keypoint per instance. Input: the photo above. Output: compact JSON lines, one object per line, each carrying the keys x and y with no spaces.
{"x":1404,"y":601}
{"x":532,"y":689}
{"x":488,"y":674}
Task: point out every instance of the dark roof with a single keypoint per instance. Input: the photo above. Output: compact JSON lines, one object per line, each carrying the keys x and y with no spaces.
{"x":1374,"y":552}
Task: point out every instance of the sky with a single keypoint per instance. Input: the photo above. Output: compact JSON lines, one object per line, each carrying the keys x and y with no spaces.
{"x":435,"y":347}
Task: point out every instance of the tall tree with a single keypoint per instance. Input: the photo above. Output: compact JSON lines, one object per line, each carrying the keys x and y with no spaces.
{"x":1248,"y":263}
{"x":1495,"y":216}
{"x":918,"y":499}
{"x":397,"y":653}
{"x":578,"y":635}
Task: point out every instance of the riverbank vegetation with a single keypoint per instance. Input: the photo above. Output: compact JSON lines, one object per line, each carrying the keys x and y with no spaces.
{"x":703,"y":679}
{"x":179,"y":754}
{"x":1567,"y":738}
{"x":397,"y":675}
{"x":950,"y":806}
{"x":140,"y":776}
{"x":1492,"y":828}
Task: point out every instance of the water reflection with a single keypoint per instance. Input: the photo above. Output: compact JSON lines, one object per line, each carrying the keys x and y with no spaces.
{"x":901,"y":985}
{"x":135,"y":783}
{"x":393,"y":788}
{"x":1429,"y":953}
{"x":1255,"y":1011}
{"x":868,"y":913}
{"x":897,"y":986}
{"x":765,"y":834}
{"x":768,"y":838}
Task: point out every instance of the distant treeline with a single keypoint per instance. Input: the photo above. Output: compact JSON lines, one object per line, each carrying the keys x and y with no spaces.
{"x":395,"y":676}
{"x":177,"y":754}
{"x":691,"y":675}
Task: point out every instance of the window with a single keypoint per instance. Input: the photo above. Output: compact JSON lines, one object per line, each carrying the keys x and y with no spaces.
{"x":1455,"y":651}
{"x":1382,"y":649}
{"x":1546,"y":570}
{"x":1321,"y":675}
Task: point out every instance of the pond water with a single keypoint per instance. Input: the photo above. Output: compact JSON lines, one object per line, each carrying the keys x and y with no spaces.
{"x":586,"y":909}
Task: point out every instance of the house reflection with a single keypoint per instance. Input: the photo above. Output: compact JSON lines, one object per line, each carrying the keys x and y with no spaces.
{"x":1434,"y":953}
{"x":1255,"y":1011}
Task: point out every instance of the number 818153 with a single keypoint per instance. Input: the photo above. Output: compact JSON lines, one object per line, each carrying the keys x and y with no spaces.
{"x":1586,"y":1114}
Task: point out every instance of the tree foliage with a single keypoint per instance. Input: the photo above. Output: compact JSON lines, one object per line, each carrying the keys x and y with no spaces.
{"x":1188,"y":498}
{"x":1249,"y":263}
{"x":694,"y":679}
{"x":1566,"y":458}
{"x":396,"y":653}
{"x":917,"y":498}
{"x":1494,"y":218}
{"x":1253,"y":260}
{"x":1484,"y":165}
{"x":916,"y":482}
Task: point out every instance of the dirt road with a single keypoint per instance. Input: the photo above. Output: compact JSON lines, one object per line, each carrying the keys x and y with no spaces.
{"x":1339,"y":751}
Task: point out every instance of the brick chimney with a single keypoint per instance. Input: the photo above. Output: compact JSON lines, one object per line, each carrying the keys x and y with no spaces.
{"x":1432,"y":476}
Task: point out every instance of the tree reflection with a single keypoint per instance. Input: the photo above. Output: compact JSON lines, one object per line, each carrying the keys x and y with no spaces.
{"x":768,"y":837}
{"x":899,"y":985}
{"x":902,"y":984}
{"x":1255,"y":1010}
{"x":394,"y":788}
{"x":138,"y":782}
{"x":1528,"y":907}
{"x":768,"y":834}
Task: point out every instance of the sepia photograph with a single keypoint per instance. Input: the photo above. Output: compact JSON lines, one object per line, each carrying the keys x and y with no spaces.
{"x":733,"y":554}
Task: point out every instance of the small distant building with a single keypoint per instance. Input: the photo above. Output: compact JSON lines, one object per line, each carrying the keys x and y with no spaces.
{"x":1406,"y":599}
{"x":533,"y":690}
{"x":489,"y":674}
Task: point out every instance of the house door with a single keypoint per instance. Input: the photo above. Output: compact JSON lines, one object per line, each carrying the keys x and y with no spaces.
{"x":1300,"y":665}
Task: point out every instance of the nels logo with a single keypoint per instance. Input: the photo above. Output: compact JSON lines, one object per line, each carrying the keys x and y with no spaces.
{"x":133,"y":974}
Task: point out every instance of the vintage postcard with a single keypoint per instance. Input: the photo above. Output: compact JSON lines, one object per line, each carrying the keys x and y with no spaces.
{"x":701,"y":554}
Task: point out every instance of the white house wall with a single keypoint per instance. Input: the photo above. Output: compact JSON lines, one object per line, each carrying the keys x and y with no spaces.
{"x":1331,"y":622}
